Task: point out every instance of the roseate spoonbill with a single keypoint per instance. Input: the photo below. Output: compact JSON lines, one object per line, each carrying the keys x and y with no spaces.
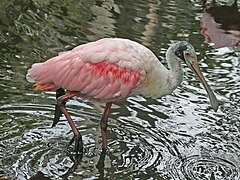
{"x":110,"y":70}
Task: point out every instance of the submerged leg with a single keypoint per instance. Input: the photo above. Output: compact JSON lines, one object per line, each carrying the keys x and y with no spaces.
{"x":103,"y":124}
{"x":77,"y":136}
{"x":58,"y":112}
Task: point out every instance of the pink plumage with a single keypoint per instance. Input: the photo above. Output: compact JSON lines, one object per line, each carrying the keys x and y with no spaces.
{"x":105,"y":70}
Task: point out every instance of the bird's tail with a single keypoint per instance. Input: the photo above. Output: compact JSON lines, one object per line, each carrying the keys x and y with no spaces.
{"x":40,"y":74}
{"x":46,"y":87}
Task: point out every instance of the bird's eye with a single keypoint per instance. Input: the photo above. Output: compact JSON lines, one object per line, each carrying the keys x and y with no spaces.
{"x":187,"y":53}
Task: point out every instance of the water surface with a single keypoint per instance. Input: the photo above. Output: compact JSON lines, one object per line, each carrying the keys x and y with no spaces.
{"x":178,"y":136}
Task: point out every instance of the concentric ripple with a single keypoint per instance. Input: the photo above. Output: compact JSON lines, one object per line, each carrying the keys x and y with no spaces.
{"x":207,"y":167}
{"x":203,"y":167}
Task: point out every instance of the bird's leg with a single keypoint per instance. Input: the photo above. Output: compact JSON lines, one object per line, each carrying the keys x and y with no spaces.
{"x":77,"y":136}
{"x":58,"y":112}
{"x":103,"y":124}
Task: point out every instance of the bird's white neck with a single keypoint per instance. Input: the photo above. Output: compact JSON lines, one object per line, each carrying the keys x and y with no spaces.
{"x":161,"y":81}
{"x":175,"y":73}
{"x":165,"y":80}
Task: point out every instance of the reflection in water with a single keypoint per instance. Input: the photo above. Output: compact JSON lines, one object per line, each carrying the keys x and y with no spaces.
{"x":173,"y":138}
{"x":77,"y":160}
{"x":101,"y":163}
{"x":39,"y":176}
{"x":102,"y":23}
{"x":152,"y":25}
{"x":221,"y":25}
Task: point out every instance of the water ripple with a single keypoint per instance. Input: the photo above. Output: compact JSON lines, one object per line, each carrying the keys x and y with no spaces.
{"x":208,"y":167}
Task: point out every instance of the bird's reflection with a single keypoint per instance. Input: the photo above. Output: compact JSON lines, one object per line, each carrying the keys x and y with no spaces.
{"x":221,"y":25}
{"x":100,"y":165}
{"x":77,"y":159}
{"x":39,"y":176}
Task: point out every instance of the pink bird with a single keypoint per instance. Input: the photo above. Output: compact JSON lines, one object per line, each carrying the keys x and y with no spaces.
{"x":110,"y":70}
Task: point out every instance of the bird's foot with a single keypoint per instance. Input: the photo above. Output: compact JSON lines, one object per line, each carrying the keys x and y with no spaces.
{"x":78,"y":144}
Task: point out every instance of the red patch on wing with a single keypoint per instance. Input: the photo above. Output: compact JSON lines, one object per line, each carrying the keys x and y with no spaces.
{"x":114,"y":72}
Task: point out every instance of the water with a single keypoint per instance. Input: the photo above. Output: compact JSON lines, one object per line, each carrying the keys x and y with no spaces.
{"x":175,"y":137}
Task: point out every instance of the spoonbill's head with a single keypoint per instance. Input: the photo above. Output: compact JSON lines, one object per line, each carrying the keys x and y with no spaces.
{"x":185,"y":52}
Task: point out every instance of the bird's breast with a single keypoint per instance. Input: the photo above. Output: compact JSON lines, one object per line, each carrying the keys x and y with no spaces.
{"x":156,"y":83}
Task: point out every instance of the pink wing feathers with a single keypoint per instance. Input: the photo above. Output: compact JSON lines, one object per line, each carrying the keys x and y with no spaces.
{"x":101,"y":70}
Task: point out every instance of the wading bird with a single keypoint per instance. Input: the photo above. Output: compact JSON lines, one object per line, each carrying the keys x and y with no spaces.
{"x":110,"y":70}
